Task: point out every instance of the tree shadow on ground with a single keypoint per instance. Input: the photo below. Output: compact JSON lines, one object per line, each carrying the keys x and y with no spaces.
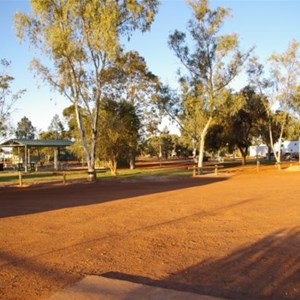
{"x":40,"y":275}
{"x":23,"y":201}
{"x":267,"y":269}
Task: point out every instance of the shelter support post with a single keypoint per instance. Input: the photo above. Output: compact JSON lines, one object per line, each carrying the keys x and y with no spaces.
{"x":19,"y":155}
{"x":55,"y":158}
{"x":28,"y":155}
{"x":26,"y":159}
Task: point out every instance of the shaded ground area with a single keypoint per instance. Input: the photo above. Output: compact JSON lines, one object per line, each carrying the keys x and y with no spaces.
{"x":234,"y":236}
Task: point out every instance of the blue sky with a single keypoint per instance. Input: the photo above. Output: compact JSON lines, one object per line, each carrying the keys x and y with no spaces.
{"x":268,"y":24}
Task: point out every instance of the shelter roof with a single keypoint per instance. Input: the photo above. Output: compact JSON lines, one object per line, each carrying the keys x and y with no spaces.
{"x":36,"y":143}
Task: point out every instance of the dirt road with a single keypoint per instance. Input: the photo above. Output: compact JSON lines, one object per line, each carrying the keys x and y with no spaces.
{"x":233,"y":236}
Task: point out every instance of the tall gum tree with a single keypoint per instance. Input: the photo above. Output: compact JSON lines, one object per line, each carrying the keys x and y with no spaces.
{"x":280,"y":92}
{"x":212,"y":63}
{"x":82,"y":40}
{"x":285,"y":71}
{"x":7,"y":98}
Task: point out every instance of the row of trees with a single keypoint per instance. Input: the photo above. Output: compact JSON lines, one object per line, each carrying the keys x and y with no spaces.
{"x":82,"y":40}
{"x":7,"y":98}
{"x":120,"y":132}
{"x":116,"y":100}
{"x":205,"y":99}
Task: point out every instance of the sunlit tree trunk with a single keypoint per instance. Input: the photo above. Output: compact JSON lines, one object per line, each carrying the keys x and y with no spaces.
{"x":202,"y":145}
{"x":112,"y":164}
{"x":90,"y":159}
{"x":82,"y":40}
{"x":132,"y":159}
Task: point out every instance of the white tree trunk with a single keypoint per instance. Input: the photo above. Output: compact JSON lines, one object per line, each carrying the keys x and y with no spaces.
{"x":132,"y":160}
{"x":276,"y":155}
{"x":202,"y":145}
{"x":90,"y":157}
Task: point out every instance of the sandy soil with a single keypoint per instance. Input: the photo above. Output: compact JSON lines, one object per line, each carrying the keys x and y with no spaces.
{"x":234,"y":236}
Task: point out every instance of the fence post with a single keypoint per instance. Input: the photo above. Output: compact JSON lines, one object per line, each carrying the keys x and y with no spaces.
{"x":64,"y":178}
{"x":20,"y":179}
{"x":257,"y":165}
{"x":216,"y":170}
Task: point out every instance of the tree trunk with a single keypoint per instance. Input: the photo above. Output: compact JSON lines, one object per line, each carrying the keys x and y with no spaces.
{"x":91,"y":167}
{"x":202,"y":145}
{"x":132,"y":160}
{"x":244,"y":158}
{"x":269,"y":152}
{"x":277,"y":155}
{"x":244,"y":155}
{"x":201,"y":153}
{"x":112,"y":164}
{"x":90,"y":157}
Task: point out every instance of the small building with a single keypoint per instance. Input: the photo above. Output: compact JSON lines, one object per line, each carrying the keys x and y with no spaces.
{"x":28,"y":144}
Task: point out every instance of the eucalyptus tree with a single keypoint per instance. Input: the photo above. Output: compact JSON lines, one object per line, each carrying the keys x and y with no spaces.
{"x":69,"y":115}
{"x":82,"y":40}
{"x":293,"y":130}
{"x":119,"y":132}
{"x":7,"y":97}
{"x":246,"y":124}
{"x":25,"y":129}
{"x":212,"y":61}
{"x":282,"y":91}
{"x":131,"y":81}
{"x":56,"y":128}
{"x":164,"y":145}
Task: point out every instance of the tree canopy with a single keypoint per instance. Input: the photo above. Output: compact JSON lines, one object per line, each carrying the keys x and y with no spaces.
{"x":211,"y":65}
{"x":280,"y":91}
{"x":25,"y":129}
{"x":7,"y":97}
{"x":82,"y":40}
{"x":119,"y":132}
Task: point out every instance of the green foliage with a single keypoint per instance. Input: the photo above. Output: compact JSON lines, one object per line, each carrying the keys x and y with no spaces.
{"x":56,"y":131}
{"x":212,"y":64}
{"x":119,"y":132}
{"x":285,"y":71}
{"x":82,"y":40}
{"x":161,"y":146}
{"x":165,"y":145}
{"x":25,"y":129}
{"x":281,"y":90}
{"x":73,"y":133}
{"x":131,"y":81}
{"x":118,"y":135}
{"x":293,"y":130}
{"x":247,"y":123}
{"x":7,"y":98}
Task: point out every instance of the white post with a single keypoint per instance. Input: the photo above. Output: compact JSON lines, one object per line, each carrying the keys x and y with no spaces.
{"x":55,"y":159}
{"x":28,"y":155}
{"x":26,"y":160}
{"x":19,"y":155}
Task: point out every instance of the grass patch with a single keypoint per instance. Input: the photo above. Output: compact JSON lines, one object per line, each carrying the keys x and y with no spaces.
{"x":12,"y":178}
{"x":40,"y":177}
{"x":36,"y":177}
{"x":153,"y":172}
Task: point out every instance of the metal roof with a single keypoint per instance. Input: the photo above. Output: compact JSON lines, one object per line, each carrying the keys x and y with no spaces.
{"x":36,"y":143}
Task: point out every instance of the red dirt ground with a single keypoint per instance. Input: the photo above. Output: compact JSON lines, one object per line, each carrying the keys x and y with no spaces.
{"x":234,"y":236}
